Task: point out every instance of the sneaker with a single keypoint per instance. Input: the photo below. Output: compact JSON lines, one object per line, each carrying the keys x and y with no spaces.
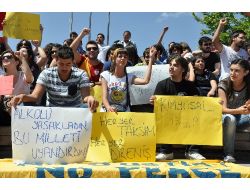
{"x":163,"y":156}
{"x":229,"y":158}
{"x":193,"y":155}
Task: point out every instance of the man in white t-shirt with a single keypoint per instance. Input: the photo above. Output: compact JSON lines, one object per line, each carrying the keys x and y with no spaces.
{"x":232,"y":52}
{"x":102,"y":47}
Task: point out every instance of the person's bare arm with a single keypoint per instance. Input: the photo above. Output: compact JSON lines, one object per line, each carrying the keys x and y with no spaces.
{"x":216,"y":38}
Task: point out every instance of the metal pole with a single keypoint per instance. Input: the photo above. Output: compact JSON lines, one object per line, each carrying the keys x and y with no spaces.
{"x":90,"y":22}
{"x":71,"y":22}
{"x":108,"y":28}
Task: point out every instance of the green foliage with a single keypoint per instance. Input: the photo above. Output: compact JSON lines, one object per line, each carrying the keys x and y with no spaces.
{"x":235,"y":20}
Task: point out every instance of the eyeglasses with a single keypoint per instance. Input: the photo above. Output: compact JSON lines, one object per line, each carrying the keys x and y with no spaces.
{"x":7,"y":57}
{"x":92,"y":48}
{"x":207,"y":44}
{"x":53,"y":51}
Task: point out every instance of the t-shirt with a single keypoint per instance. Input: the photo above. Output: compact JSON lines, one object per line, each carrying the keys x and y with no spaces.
{"x":235,"y":99}
{"x":21,"y":86}
{"x":169,"y":87}
{"x":211,"y":60}
{"x":202,"y":82}
{"x":228,"y":55}
{"x":63,"y":93}
{"x":93,"y":71}
{"x":117,"y":90}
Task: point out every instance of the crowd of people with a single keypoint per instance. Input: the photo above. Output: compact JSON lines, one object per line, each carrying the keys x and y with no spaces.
{"x":62,"y":75}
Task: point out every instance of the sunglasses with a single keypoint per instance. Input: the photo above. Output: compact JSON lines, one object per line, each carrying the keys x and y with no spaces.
{"x":92,"y":48}
{"x":52,"y":52}
{"x":207,"y":44}
{"x":7,"y":57}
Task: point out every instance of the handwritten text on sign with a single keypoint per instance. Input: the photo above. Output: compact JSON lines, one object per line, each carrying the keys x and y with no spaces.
{"x":50,"y":135}
{"x":140,"y":94}
{"x":188,"y":120}
{"x":22,"y":26}
{"x":123,"y":137}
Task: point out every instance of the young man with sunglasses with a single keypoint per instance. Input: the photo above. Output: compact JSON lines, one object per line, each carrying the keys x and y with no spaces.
{"x":88,"y":62}
{"x":232,"y":52}
{"x":66,"y":86}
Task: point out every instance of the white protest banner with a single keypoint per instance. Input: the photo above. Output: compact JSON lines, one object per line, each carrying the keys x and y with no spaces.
{"x":140,"y":94}
{"x":50,"y":135}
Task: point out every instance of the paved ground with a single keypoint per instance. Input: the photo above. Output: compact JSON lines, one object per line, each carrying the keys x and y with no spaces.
{"x":242,"y":157}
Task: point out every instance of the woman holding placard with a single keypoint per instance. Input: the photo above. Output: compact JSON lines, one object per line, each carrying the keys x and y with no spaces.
{"x":115,"y":83}
{"x":235,"y":94}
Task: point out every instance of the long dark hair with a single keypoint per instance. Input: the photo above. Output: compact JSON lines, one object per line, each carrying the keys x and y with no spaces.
{"x":245,"y":65}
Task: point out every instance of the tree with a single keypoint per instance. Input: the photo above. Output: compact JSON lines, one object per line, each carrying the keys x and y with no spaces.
{"x":236,"y":21}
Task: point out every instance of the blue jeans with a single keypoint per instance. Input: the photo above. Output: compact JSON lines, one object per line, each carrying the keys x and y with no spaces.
{"x":230,"y":123}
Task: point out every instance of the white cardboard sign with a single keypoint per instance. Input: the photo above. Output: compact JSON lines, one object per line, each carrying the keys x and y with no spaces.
{"x":140,"y":94}
{"x":50,"y":134}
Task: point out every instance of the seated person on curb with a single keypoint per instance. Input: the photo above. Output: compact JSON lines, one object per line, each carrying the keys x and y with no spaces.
{"x":175,"y":85}
{"x":234,"y":92}
{"x":116,"y":82}
{"x":205,"y":81}
{"x":65,"y":85}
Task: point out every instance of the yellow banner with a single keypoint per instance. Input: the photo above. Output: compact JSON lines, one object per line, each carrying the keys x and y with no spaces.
{"x":96,"y":91}
{"x":122,"y":137}
{"x":174,"y":169}
{"x":188,"y":120}
{"x":22,"y":26}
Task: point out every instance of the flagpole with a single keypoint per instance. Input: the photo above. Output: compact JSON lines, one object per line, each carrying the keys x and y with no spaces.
{"x":108,"y":28}
{"x":71,"y":22}
{"x":90,"y":22}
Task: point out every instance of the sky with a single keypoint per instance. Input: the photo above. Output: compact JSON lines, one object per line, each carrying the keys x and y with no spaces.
{"x":144,"y":26}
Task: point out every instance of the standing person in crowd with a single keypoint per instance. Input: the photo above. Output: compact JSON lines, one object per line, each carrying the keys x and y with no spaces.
{"x":248,"y":50}
{"x":66,"y":86}
{"x":232,"y":52}
{"x":102,"y":47}
{"x":16,"y":65}
{"x":35,"y":64}
{"x":175,"y":48}
{"x":211,"y":59}
{"x":235,"y":94}
{"x":89,"y":63}
{"x":72,"y":37}
{"x":146,"y":56}
{"x":51,"y":53}
{"x":116,"y":82}
{"x":205,"y":81}
{"x":175,"y":85}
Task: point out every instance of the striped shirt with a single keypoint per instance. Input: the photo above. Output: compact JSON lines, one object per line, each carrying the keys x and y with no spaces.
{"x":63,"y":93}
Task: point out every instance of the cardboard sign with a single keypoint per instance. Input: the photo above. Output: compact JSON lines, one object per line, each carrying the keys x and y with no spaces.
{"x":6,"y":85}
{"x":123,"y":137}
{"x":22,"y":26}
{"x":50,"y":134}
{"x":140,"y":94}
{"x":188,"y":120}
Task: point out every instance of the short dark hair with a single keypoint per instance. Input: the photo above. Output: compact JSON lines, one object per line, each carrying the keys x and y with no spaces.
{"x":65,"y":52}
{"x":204,"y":39}
{"x":73,"y":34}
{"x":180,"y":60}
{"x":146,"y":51}
{"x":92,"y":42}
{"x":175,"y":46}
{"x":101,"y":34}
{"x":235,"y":34}
{"x":126,"y":31}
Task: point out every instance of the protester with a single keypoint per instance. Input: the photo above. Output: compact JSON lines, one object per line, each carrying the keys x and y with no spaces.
{"x":89,"y":63}
{"x":116,"y":82}
{"x":175,"y":85}
{"x":205,"y":81}
{"x":232,"y":52}
{"x":234,"y":92}
{"x":66,"y":85}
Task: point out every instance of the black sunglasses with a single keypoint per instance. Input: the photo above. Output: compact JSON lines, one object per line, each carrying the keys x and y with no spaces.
{"x":54,"y":51}
{"x":7,"y":57}
{"x":207,"y":44}
{"x":92,"y":48}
